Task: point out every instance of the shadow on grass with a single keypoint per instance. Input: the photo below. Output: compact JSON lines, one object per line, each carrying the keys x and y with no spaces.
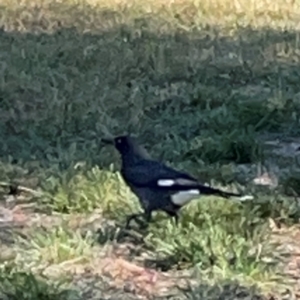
{"x":193,"y":98}
{"x":61,"y":91}
{"x":216,"y":95}
{"x":134,"y":240}
{"x":119,"y":234}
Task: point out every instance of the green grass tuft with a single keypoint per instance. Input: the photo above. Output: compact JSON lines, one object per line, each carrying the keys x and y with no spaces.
{"x":25,"y":285}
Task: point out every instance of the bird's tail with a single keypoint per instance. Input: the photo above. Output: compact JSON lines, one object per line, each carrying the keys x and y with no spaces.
{"x":206,"y":190}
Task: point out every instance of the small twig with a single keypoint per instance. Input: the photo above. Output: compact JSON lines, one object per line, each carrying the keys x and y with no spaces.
{"x":15,"y":188}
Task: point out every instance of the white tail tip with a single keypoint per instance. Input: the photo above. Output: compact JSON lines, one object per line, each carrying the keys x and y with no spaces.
{"x":246,"y":198}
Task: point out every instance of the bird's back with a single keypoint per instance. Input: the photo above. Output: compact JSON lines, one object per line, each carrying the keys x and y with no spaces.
{"x":147,"y":172}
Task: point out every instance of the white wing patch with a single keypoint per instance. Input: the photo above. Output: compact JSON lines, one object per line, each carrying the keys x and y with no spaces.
{"x":183,"y":197}
{"x":166,"y":182}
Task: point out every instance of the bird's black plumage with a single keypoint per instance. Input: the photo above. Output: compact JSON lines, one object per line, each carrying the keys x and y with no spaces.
{"x":157,"y":186}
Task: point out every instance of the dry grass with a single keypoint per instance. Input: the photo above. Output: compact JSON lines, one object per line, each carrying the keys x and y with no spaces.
{"x":177,"y":15}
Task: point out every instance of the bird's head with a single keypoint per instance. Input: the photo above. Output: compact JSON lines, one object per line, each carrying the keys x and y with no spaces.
{"x":122,"y":143}
{"x":127,"y":145}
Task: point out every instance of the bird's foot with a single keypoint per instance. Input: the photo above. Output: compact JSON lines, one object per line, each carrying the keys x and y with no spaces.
{"x":142,"y":223}
{"x":131,"y":218}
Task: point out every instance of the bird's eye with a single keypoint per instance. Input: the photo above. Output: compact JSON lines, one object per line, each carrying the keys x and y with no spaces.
{"x":119,"y":141}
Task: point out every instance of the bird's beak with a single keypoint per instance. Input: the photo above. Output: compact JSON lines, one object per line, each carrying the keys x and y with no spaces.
{"x":108,"y":140}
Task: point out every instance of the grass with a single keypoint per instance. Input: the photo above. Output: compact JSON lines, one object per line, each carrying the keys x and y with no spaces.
{"x":204,"y":84}
{"x":59,"y":246}
{"x":24,"y":285}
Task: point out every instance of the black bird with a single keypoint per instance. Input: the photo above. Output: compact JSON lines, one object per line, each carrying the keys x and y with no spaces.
{"x":157,"y":186}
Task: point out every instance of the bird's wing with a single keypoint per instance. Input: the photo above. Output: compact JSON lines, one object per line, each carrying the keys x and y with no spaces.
{"x":150,"y":173}
{"x":153,"y":174}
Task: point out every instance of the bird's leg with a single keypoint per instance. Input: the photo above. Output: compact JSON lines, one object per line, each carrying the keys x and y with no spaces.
{"x":148,"y":216}
{"x":147,"y":219}
{"x":174,"y":215}
{"x":131,"y":218}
